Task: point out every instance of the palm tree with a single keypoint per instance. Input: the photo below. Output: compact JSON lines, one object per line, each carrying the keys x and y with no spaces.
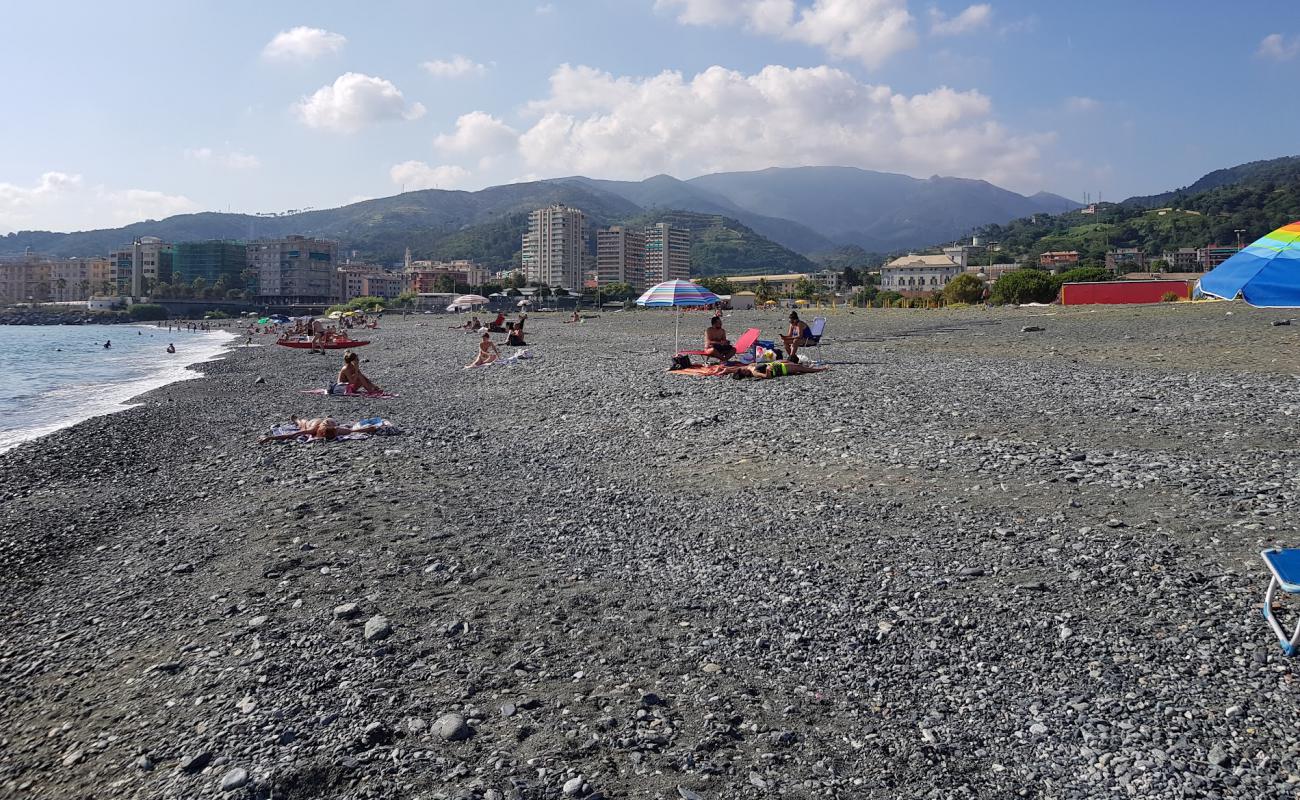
{"x":62,"y":284}
{"x":83,"y":288}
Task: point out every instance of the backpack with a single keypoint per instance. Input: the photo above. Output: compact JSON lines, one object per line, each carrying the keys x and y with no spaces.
{"x":681,"y":362}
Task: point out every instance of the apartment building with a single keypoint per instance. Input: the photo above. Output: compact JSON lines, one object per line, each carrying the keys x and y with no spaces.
{"x":212,"y":260}
{"x":141,"y":264}
{"x":555,"y":250}
{"x":667,"y":253}
{"x":296,"y":267}
{"x":620,"y":257}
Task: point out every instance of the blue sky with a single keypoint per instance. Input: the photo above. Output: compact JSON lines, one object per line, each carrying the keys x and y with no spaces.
{"x":145,"y":109}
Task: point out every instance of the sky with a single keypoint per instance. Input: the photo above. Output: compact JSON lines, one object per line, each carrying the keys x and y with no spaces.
{"x":117,"y":112}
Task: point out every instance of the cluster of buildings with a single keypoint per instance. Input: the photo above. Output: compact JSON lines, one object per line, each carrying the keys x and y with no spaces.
{"x":1130,"y":259}
{"x":558,"y":251}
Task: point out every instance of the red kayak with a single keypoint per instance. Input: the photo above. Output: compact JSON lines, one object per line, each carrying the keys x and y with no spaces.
{"x":305,"y":344}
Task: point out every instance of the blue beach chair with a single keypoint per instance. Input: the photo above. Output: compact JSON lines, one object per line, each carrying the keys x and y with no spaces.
{"x":1285,"y":566}
{"x":815,"y":331}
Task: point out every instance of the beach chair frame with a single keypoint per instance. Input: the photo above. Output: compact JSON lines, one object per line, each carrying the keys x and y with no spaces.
{"x":1284,"y":566}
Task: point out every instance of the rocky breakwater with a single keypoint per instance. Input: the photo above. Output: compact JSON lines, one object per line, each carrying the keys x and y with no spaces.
{"x":40,"y":316}
{"x":916,"y":575}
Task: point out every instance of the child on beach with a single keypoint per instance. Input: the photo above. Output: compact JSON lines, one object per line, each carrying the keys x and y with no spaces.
{"x":487,"y":352}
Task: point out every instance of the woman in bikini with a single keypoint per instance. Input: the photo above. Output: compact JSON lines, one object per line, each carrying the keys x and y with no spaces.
{"x":487,"y":352}
{"x":774,"y":369}
{"x":352,"y":375}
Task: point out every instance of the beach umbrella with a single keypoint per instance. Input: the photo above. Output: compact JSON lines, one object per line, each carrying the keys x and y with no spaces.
{"x":335,"y":315}
{"x":468,"y":300}
{"x":521,"y":303}
{"x":677,"y":294}
{"x":1266,"y":273}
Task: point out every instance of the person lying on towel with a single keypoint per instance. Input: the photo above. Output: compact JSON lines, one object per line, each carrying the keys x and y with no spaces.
{"x":773,"y":369}
{"x":321,"y":428}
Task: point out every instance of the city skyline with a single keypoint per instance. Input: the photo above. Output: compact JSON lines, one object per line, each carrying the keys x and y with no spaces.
{"x":258,"y":109}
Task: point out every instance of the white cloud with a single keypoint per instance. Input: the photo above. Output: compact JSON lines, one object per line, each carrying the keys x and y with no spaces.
{"x":302,"y":44}
{"x":1277,"y":47}
{"x":545,"y":8}
{"x":234,"y":159}
{"x":869,"y":31}
{"x":455,"y":67}
{"x":971,"y":19}
{"x":354,"y":101}
{"x":618,"y":127}
{"x":62,"y":201}
{"x":1082,"y":105}
{"x":414,"y":175}
{"x":478,"y":134}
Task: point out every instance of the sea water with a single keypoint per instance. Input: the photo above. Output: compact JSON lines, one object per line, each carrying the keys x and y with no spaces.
{"x":58,"y":375}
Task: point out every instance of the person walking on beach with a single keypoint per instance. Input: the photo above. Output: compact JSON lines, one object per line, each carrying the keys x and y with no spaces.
{"x":487,"y":352}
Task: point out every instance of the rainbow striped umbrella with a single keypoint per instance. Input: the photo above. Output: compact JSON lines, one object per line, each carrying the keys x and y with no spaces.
{"x":676,"y":294}
{"x":1265,"y":274}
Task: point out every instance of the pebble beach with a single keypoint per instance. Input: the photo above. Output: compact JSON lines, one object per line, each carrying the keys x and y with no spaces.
{"x":972,"y":559}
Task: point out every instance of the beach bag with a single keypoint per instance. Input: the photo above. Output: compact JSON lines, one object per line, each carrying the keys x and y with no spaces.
{"x":680,"y":362}
{"x":338,"y":388}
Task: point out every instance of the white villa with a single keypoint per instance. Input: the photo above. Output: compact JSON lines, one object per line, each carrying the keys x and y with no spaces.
{"x":913,"y":273}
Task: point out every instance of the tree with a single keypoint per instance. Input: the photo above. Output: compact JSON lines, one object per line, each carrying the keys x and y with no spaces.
{"x":406,"y":298}
{"x":863,"y":296}
{"x":965,"y":288}
{"x":62,"y":283}
{"x":83,"y":288}
{"x":1083,"y":275}
{"x":489,"y":289}
{"x":147,"y":311}
{"x":517,"y":280}
{"x":513,"y":292}
{"x":543,"y":291}
{"x":1024,"y":286}
{"x":763,"y":291}
{"x":108,"y":287}
{"x":560,"y":291}
{"x":1159,"y":265}
{"x":805,"y":289}
{"x":717,"y":285}
{"x":851,"y":278}
{"x":617,"y":290}
{"x":445,"y":284}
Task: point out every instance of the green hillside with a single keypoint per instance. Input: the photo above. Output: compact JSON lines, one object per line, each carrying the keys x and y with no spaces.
{"x":722,"y":246}
{"x":1265,"y":196}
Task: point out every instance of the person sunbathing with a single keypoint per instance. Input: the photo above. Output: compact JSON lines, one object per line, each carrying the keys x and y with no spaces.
{"x":715,"y":341}
{"x":799,"y":334}
{"x":772,"y":369}
{"x":516,"y":337}
{"x":352,"y":375}
{"x":320,"y":428}
{"x":487,"y":352}
{"x":574,"y":317}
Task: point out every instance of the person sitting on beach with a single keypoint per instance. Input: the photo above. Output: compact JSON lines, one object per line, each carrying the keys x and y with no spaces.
{"x":321,"y":428}
{"x":498,"y":325}
{"x":772,"y":369}
{"x":574,"y":317}
{"x":516,"y":337}
{"x":352,"y":375}
{"x":171,"y":348}
{"x":799,"y":335}
{"x":715,"y":341}
{"x":487,"y":352}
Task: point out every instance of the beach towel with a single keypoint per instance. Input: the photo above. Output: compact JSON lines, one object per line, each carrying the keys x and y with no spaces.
{"x":347,"y":392}
{"x":386,"y":428}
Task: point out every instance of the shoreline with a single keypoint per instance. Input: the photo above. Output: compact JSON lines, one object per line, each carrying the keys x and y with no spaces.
{"x":963,"y":546}
{"x":123,"y":396}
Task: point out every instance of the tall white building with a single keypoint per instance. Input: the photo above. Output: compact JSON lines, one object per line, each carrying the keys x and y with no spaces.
{"x":667,"y":254}
{"x":555,"y":247}
{"x":141,"y":264}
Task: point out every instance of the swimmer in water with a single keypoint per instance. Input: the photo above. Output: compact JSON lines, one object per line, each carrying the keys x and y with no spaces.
{"x":171,"y":348}
{"x":108,"y":344}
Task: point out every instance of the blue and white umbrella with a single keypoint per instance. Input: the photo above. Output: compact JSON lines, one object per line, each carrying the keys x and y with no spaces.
{"x":676,"y":294}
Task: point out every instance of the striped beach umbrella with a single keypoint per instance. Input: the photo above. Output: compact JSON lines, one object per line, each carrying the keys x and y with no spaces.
{"x":1266,"y":273}
{"x":676,"y":294}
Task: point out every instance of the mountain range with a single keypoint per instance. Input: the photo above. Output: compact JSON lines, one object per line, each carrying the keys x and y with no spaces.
{"x":766,"y":221}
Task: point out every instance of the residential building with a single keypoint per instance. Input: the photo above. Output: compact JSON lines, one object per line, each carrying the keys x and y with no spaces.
{"x":215,"y":261}
{"x":25,"y":279}
{"x":991,"y":272}
{"x":555,"y":248}
{"x":1057,"y":260}
{"x":141,"y":264}
{"x":103,"y":276}
{"x":350,"y":280}
{"x":1127,"y":259}
{"x":620,"y":257}
{"x":294,"y":267}
{"x":965,"y":255}
{"x":1184,"y":259}
{"x":422,"y":276}
{"x":913,"y":274}
{"x":1212,"y":255}
{"x":786,"y":283}
{"x":667,"y":253}
{"x":74,"y":279}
